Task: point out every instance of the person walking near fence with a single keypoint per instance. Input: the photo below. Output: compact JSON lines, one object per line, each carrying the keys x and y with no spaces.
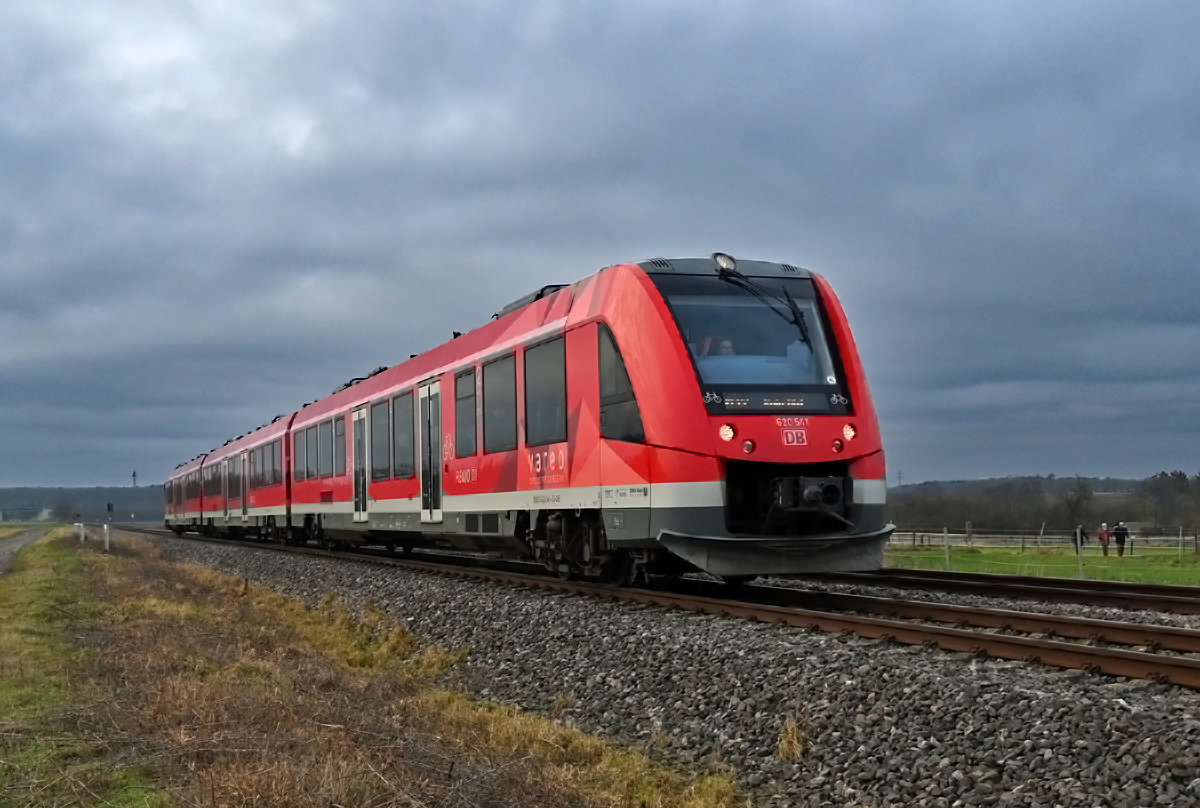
{"x":1102,"y":536}
{"x":1120,"y":534}
{"x":1080,"y":538}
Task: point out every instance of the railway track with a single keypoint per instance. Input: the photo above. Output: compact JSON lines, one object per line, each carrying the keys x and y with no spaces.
{"x":979,"y":631}
{"x":1119,"y":594}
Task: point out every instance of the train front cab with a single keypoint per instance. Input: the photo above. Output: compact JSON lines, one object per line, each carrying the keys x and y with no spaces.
{"x":766,"y":455}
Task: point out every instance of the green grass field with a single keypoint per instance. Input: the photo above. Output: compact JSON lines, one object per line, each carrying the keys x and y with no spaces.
{"x":1149,"y":565}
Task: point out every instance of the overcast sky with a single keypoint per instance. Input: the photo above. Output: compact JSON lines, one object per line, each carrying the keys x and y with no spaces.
{"x":212,"y":212}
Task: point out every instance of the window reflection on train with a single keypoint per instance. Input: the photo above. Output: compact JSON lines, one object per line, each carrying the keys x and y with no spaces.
{"x":737,"y":337}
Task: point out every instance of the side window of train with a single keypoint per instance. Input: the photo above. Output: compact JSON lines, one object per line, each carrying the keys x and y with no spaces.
{"x":381,"y":441}
{"x":298,"y":460}
{"x":620,"y":418}
{"x":402,"y":432}
{"x":277,"y":462}
{"x":500,"y":405}
{"x":546,"y":393}
{"x":310,"y":444}
{"x":464,"y":414}
{"x":325,"y":448}
{"x":339,"y":445}
{"x":254,"y":468}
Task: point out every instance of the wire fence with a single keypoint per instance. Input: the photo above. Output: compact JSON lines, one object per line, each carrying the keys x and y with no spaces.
{"x":1049,"y":552}
{"x":1175,"y":537}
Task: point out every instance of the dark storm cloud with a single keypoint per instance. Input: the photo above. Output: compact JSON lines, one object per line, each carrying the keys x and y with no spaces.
{"x":211,"y":213}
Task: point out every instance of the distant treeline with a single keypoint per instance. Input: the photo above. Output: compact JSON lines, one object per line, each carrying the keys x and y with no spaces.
{"x":1026,"y":503}
{"x":143,"y":504}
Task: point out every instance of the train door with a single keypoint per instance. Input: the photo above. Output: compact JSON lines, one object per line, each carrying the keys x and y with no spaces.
{"x":242,"y":483}
{"x":225,"y":492}
{"x":429,"y":453}
{"x":359,"y":432}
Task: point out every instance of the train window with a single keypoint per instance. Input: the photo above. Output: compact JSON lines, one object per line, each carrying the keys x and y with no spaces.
{"x":231,"y":477}
{"x":298,"y":462}
{"x":619,"y":415}
{"x":325,"y":449}
{"x":339,"y":445}
{"x":255,"y":457}
{"x":277,"y":462}
{"x":402,"y":433}
{"x":500,"y":405}
{"x":381,"y":440}
{"x":546,"y":393}
{"x":763,"y":331}
{"x":310,"y":453}
{"x":464,"y":414}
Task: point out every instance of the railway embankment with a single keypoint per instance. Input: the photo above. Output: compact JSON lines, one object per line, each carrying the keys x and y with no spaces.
{"x":127,"y":680}
{"x":797,"y":718}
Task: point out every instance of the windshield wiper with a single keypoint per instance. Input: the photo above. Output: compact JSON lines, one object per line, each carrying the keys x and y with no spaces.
{"x":799,"y":317}
{"x":767,"y":296}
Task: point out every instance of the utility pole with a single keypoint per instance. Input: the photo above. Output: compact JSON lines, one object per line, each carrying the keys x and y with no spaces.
{"x":899,"y":478}
{"x":135,"y":479}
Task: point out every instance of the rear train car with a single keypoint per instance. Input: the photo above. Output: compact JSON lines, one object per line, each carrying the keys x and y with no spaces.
{"x":654,"y":418}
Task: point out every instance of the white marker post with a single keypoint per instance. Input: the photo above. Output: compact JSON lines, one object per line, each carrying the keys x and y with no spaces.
{"x":946,"y":547}
{"x":106,"y":531}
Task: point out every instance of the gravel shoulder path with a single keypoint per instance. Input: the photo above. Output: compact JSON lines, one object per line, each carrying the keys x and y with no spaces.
{"x":881,"y":725}
{"x":11,"y":545}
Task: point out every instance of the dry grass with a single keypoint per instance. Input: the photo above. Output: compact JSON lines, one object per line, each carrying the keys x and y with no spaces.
{"x":230,"y":696}
{"x":792,"y":740}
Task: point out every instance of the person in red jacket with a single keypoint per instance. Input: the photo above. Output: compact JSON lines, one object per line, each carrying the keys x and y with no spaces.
{"x":1102,"y":536}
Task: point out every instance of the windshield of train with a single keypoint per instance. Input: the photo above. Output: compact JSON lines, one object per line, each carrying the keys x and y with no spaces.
{"x":750,"y":331}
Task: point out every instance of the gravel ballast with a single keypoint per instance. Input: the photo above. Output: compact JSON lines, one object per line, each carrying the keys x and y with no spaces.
{"x":882,"y":725}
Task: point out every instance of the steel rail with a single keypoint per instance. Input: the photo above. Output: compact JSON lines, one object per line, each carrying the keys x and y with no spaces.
{"x":1090,"y":584}
{"x":1169,"y":638}
{"x":1121,"y":594}
{"x":1183,"y":671}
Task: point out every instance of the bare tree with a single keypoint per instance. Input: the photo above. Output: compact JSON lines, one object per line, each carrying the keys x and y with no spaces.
{"x":1076,"y":498}
{"x":62,"y":512}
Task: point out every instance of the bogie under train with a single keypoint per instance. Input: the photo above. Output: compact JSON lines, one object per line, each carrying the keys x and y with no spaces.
{"x":654,"y":418}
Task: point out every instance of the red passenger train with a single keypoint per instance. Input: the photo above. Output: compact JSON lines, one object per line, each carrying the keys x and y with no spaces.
{"x":654,"y":418}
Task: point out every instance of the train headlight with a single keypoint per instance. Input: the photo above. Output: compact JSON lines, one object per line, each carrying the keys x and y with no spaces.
{"x":838,"y":446}
{"x":848,"y":432}
{"x":724,"y":261}
{"x":748,"y":446}
{"x":727,"y":432}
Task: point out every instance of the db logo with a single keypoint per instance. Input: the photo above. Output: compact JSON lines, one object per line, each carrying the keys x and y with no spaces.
{"x":795,"y":437}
